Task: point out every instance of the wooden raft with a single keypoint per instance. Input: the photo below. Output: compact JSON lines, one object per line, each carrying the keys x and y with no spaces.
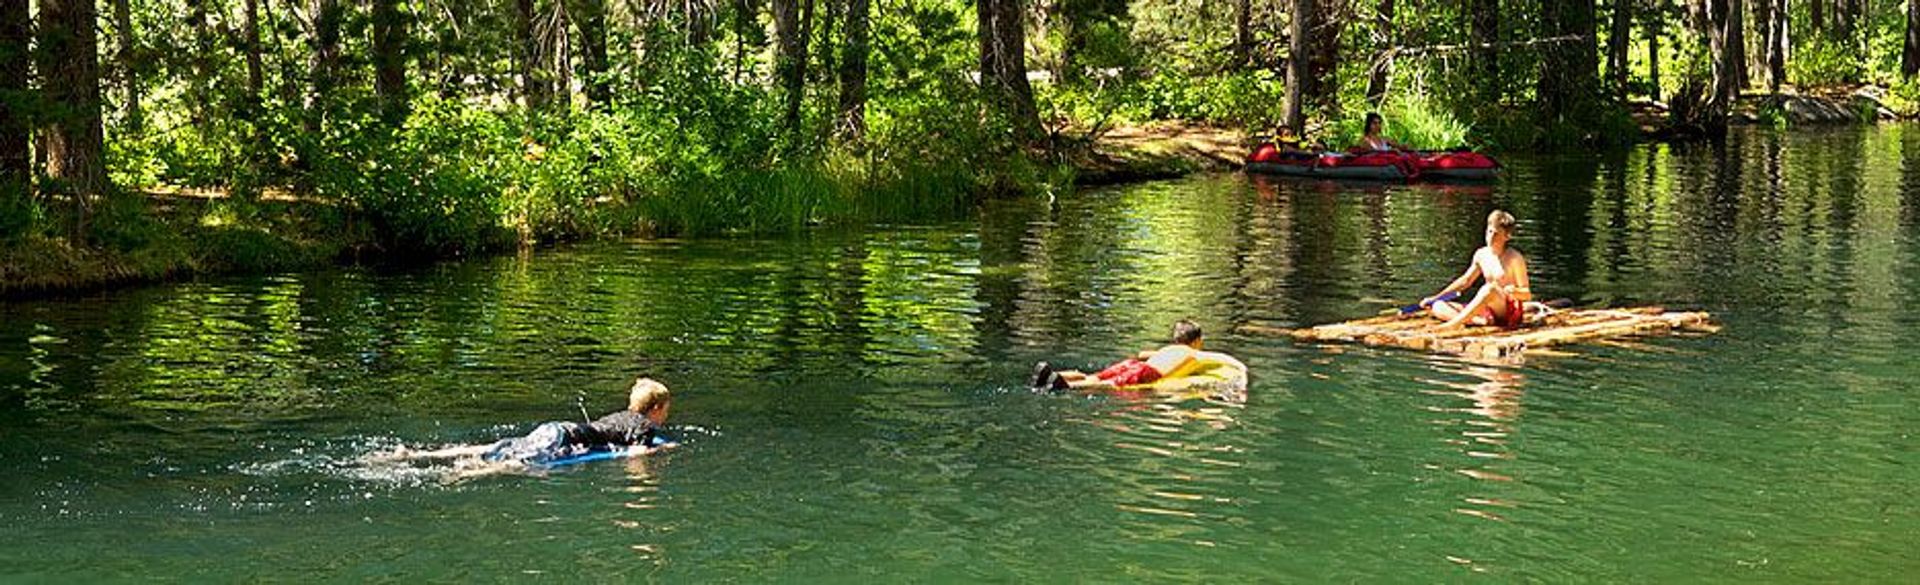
{"x":1541,"y":331}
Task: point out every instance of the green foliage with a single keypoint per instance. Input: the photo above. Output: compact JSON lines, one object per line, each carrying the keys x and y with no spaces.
{"x":1252,"y":98}
{"x":20,"y":216}
{"x":1414,"y":120}
{"x":124,"y":224}
{"x":1903,"y":97}
{"x":436,"y":185}
{"x":1773,"y":113}
{"x":1824,"y":63}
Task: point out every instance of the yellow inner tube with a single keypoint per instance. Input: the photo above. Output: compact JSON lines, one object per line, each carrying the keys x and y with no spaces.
{"x":1209,"y":370}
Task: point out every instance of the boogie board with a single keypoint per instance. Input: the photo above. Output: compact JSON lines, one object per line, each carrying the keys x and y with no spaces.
{"x":658,"y":441}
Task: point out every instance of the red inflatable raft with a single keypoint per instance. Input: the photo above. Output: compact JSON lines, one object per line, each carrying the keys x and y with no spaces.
{"x":1374,"y":166}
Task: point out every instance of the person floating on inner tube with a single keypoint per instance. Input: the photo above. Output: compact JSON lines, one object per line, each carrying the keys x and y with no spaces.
{"x":637,"y":427}
{"x":1503,"y":300}
{"x":1374,"y":141}
{"x":1150,"y":365}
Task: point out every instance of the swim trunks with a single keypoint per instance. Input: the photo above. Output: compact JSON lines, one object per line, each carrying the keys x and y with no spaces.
{"x":1129,"y":373}
{"x":547,"y":442}
{"x":1515,"y":317}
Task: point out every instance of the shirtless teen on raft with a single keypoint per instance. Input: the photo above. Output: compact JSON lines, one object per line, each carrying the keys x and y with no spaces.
{"x":1503,"y":299}
{"x":637,"y":427}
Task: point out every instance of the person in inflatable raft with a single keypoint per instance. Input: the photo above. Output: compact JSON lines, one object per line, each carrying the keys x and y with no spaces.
{"x":1177,"y":359}
{"x":1374,"y":138}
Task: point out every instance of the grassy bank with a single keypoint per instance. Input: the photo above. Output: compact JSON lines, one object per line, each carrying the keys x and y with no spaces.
{"x":458,"y":180}
{"x":161,"y":237}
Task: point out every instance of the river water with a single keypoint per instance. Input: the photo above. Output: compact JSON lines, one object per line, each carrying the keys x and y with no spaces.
{"x":850,"y":409}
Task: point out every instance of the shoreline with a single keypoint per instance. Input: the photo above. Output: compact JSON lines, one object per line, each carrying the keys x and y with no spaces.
{"x":306,"y":235}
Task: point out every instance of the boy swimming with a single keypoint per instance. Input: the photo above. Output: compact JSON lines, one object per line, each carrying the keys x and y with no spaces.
{"x":637,"y":427}
{"x":1150,"y":365}
{"x":1503,"y":299}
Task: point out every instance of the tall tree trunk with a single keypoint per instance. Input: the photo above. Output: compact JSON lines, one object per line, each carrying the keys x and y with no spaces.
{"x":1299,"y":16}
{"x":1003,"y":64}
{"x":1846,"y":18}
{"x":1778,"y":47}
{"x":853,"y":73}
{"x":390,"y":60}
{"x":1296,"y":64}
{"x":70,"y":82}
{"x":592,"y":16}
{"x":791,"y":60}
{"x":1243,"y":34}
{"x":1619,"y":36}
{"x":250,"y":34}
{"x":556,"y":54}
{"x":1910,"y":52}
{"x":827,"y":51}
{"x":1817,"y":19}
{"x":200,"y":88}
{"x":326,"y":61}
{"x":1763,"y":30}
{"x":746,"y":21}
{"x":1722,"y":89}
{"x":1381,"y":69}
{"x":1656,"y":23}
{"x":534,"y":89}
{"x":1569,"y":72}
{"x":1485,"y":24}
{"x":1736,"y":25}
{"x":16,"y":30}
{"x":124,"y":59}
{"x":1314,"y":48}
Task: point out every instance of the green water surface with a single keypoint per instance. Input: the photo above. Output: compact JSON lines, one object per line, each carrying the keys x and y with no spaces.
{"x":850,"y":409}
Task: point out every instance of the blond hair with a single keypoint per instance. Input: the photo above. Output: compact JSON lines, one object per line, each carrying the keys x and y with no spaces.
{"x":1501,"y":221}
{"x":648,"y":393}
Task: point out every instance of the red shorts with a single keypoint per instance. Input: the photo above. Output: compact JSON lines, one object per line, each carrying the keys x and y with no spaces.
{"x":1516,"y":314}
{"x":1129,"y":373}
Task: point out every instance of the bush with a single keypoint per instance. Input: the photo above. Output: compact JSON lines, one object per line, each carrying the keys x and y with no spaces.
{"x":436,"y":185}
{"x":1414,"y":120}
{"x":1251,"y":98}
{"x":20,"y":215}
{"x":1903,"y":97}
{"x":1822,"y":63}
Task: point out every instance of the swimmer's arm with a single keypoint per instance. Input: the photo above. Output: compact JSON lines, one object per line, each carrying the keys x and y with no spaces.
{"x":645,"y":450}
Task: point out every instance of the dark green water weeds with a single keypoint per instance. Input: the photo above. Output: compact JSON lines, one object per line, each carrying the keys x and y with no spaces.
{"x":849,"y":410}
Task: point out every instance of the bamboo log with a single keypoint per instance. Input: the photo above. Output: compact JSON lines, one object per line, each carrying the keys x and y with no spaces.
{"x":1559,"y":328}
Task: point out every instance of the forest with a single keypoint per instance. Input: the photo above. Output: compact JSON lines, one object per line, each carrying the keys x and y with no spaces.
{"x":146,"y":138}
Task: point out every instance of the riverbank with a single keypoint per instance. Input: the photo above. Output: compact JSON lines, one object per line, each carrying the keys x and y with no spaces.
{"x":170,"y":234}
{"x":1842,"y":104}
{"x":190,"y":233}
{"x":1157,"y":150}
{"x":179,"y":235}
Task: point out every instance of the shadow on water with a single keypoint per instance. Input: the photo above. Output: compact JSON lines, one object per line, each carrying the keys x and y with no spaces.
{"x":852,"y":401}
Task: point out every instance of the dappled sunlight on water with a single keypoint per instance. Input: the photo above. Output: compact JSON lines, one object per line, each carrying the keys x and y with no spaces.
{"x":850,"y":403}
